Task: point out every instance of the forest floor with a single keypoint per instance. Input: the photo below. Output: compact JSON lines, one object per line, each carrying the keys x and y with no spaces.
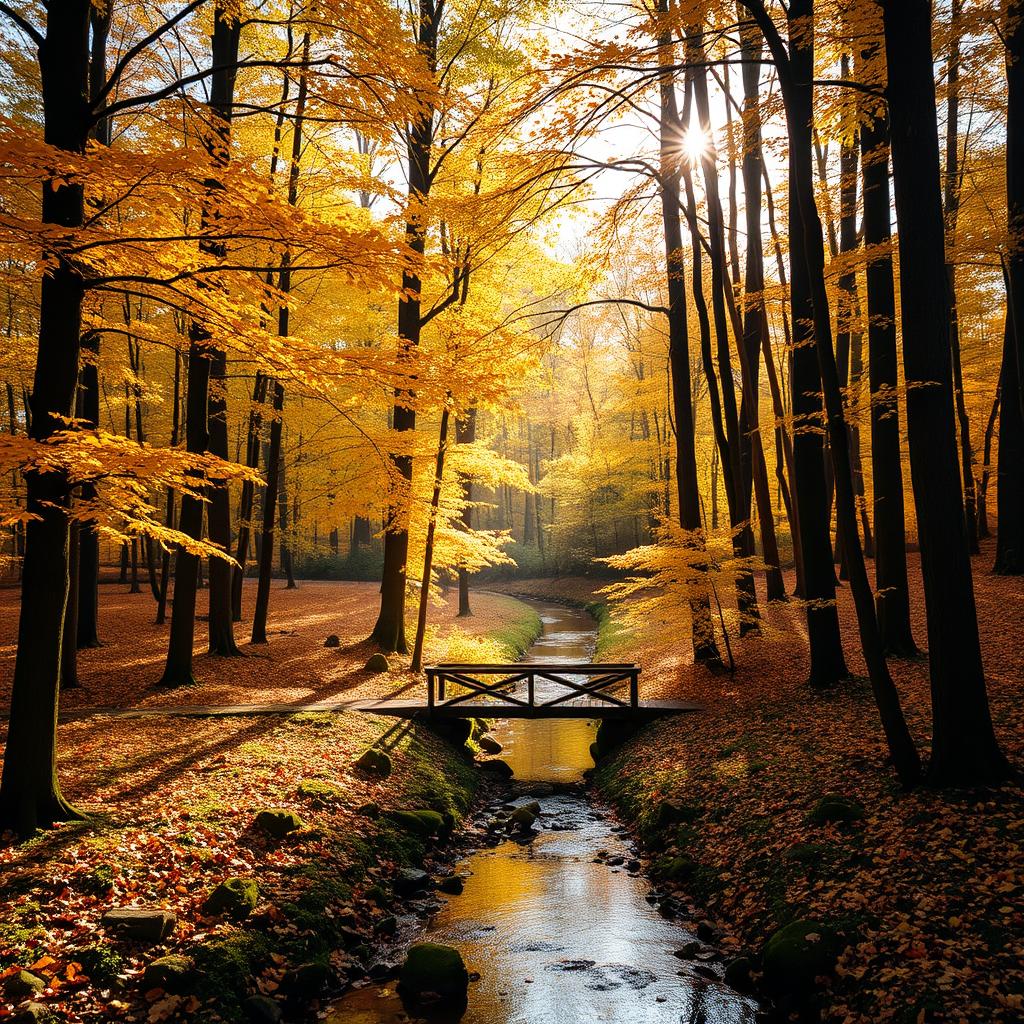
{"x":172,"y":805}
{"x":927,"y":887}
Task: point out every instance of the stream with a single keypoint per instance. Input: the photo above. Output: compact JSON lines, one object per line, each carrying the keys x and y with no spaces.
{"x":559,"y":929}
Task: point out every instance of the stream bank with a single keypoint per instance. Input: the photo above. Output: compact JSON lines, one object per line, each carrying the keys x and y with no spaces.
{"x":556,"y":918}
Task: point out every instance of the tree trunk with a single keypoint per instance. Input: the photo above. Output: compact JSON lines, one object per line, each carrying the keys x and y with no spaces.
{"x":30,"y":795}
{"x":165,"y":561}
{"x":245,"y":505}
{"x":465,"y":433}
{"x":428,"y":550}
{"x":178,"y":668}
{"x":964,"y":748}
{"x":389,"y":630}
{"x":266,"y":546}
{"x":986,"y":472}
{"x":828,"y":664}
{"x":892,"y":593}
{"x":705,"y":649}
{"x":1009,"y":475}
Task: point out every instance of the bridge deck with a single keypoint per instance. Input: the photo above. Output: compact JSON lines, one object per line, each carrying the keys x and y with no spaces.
{"x":644,"y":711}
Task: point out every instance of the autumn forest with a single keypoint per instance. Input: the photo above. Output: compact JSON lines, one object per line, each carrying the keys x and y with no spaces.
{"x":512,"y":512}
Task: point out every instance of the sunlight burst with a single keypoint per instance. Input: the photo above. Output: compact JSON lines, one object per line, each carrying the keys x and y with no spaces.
{"x":695,"y":144}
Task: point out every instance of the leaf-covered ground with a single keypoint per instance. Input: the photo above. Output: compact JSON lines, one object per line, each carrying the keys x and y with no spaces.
{"x":929,"y":886}
{"x":172,"y":802}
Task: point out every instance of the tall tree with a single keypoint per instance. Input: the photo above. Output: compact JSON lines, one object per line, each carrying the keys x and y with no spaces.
{"x":964,"y":747}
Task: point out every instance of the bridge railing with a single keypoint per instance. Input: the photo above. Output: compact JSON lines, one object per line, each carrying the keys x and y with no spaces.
{"x":501,"y":683}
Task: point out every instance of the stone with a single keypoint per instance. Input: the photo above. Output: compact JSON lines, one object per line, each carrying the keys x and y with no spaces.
{"x":386,"y":926}
{"x":674,"y":812}
{"x":410,"y":881}
{"x":456,"y":731}
{"x":140,"y":923}
{"x":738,"y":974}
{"x":533,"y":807}
{"x":496,"y":766}
{"x":172,"y":973}
{"x":318,"y":791}
{"x":374,"y":762}
{"x":452,"y":884}
{"x":22,"y":985}
{"x":521,"y":819}
{"x":369,"y":810}
{"x":424,"y":822}
{"x":708,"y":931}
{"x":234,"y":897}
{"x":835,"y":808}
{"x":33,"y":1013}
{"x":798,"y":954}
{"x":689,"y":950}
{"x":489,"y":745}
{"x":377,"y":663}
{"x":277,"y":823}
{"x":333,"y":641}
{"x":262,"y":1010}
{"x":306,"y":981}
{"x":431,"y":968}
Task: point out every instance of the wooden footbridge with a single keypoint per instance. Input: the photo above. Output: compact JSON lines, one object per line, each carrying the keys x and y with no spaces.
{"x":531,"y":690}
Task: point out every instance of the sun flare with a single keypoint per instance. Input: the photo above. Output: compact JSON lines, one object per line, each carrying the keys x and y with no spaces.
{"x":695,"y":144}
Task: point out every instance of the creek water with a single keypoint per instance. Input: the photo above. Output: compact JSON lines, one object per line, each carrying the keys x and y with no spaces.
{"x":558,"y":928}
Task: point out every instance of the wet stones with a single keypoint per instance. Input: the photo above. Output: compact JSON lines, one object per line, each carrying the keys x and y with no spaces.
{"x":489,"y":745}
{"x":433,"y":973}
{"x":452,"y":885}
{"x":495,"y":766}
{"x":410,"y":881}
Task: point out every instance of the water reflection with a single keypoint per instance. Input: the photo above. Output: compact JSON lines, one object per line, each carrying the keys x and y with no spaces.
{"x":556,"y":937}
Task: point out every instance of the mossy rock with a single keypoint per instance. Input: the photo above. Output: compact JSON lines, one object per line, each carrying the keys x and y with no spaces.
{"x":100,"y":963}
{"x":371,"y":809}
{"x":35,"y":1013}
{"x":488,"y":744}
{"x":98,"y":881}
{"x":375,"y":762}
{"x":306,"y":981}
{"x":432,"y":968}
{"x":173,"y":973}
{"x":318,"y":791}
{"x":23,"y":984}
{"x":456,"y":731}
{"x":805,"y":853}
{"x":377,"y":663}
{"x":739,"y":974}
{"x":798,"y":954}
{"x":836,"y":809}
{"x":674,"y":812}
{"x":333,"y":641}
{"x":495,"y":766}
{"x":260,"y":1009}
{"x":424,"y":823}
{"x":234,"y":897}
{"x":533,"y":807}
{"x":676,"y":869}
{"x":278,"y":823}
{"x":480,"y":726}
{"x":521,"y":819}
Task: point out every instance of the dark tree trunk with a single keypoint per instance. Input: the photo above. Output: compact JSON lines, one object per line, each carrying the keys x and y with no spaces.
{"x":892,"y":594}
{"x":465,"y":433}
{"x":165,"y":561}
{"x":705,"y":649}
{"x":428,"y":549}
{"x":178,"y":669}
{"x":737,"y":495}
{"x":986,"y":472}
{"x":245,"y":506}
{"x":287,"y":565}
{"x":828,"y":665}
{"x":1009,"y":475}
{"x":30,"y":795}
{"x":266,"y":545}
{"x":389,"y":630}
{"x":964,"y":748}
{"x":755,"y":324}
